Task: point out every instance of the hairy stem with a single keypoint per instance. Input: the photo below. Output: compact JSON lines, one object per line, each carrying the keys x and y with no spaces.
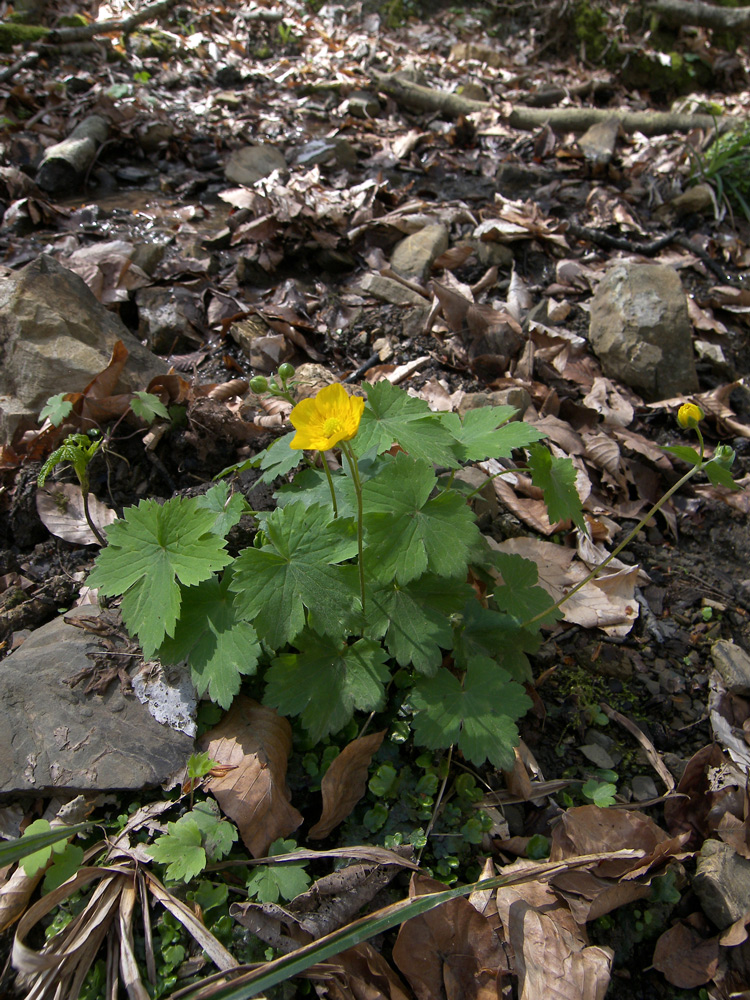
{"x":330,"y":483}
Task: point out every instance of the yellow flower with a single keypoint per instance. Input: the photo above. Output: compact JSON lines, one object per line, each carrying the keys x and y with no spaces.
{"x":689,"y":414}
{"x":321,"y":423}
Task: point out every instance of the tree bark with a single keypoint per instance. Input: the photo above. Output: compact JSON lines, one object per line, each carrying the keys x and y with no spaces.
{"x":421,"y":98}
{"x":65,"y":164}
{"x":701,"y":15}
{"x":149,"y":13}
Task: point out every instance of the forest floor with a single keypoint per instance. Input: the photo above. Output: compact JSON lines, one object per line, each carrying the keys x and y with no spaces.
{"x":253,"y":273}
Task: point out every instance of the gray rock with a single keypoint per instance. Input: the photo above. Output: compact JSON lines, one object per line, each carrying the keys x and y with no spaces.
{"x":164,"y":316}
{"x":413,"y":256}
{"x":54,"y":337}
{"x":644,"y":788}
{"x":722,"y":883}
{"x":598,"y":142}
{"x":249,"y":164}
{"x":517,"y":396}
{"x":337,"y":152}
{"x":56,"y":737}
{"x":640,"y":330}
{"x":733,"y":664}
{"x":389,"y":290}
{"x":363,"y":104}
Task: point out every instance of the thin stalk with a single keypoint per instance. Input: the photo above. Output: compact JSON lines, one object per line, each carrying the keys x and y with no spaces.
{"x":644,"y":521}
{"x":346,"y":448}
{"x":330,"y":483}
{"x":98,"y":535}
{"x":438,"y":802}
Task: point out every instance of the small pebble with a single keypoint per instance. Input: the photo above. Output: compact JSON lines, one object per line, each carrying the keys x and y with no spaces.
{"x":643,"y":788}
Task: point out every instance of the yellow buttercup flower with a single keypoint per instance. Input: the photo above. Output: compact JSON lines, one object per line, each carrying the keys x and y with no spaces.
{"x":689,"y":414}
{"x":331,"y":417}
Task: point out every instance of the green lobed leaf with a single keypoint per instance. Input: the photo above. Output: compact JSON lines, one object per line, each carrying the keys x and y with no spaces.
{"x":689,"y":455}
{"x":218,"y":835}
{"x":227,"y":508}
{"x":297,"y":570}
{"x":479,"y":435}
{"x":391,"y":415}
{"x":147,"y":549}
{"x":270,"y":883}
{"x":180,"y":849}
{"x":519,"y":595}
{"x":64,"y":866}
{"x":719,"y":475}
{"x":416,"y":619}
{"x":477,"y":714}
{"x":556,"y":478}
{"x":483,"y":632}
{"x":326,"y":681}
{"x":406,"y":532}
{"x":56,"y":409}
{"x":148,"y":407}
{"x":279,"y":459}
{"x":218,"y":643}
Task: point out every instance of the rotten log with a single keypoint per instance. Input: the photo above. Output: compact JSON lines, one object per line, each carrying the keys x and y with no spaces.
{"x":701,"y":15}
{"x":66,"y":164}
{"x":414,"y":95}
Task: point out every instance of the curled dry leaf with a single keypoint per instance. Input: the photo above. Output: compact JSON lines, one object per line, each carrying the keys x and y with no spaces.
{"x":450,"y":951}
{"x":257,"y":741}
{"x":686,"y":959}
{"x":552,"y":956}
{"x":60,"y":506}
{"x":344,"y":783}
{"x":361,"y":972}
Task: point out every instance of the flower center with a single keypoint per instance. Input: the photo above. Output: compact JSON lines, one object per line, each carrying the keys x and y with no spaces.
{"x":332,"y":426}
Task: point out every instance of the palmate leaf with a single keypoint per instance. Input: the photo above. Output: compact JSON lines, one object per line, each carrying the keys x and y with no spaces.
{"x":520,"y":595}
{"x":393,"y":416}
{"x":181,"y":849}
{"x":297,"y":570}
{"x":56,"y":409}
{"x":148,"y":407}
{"x":279,"y":458}
{"x":270,"y":883}
{"x":485,"y":433}
{"x":483,"y":632}
{"x":407,"y":533}
{"x":211,"y":634}
{"x":478,"y":715}
{"x":147,"y":551}
{"x":228,"y":509}
{"x":416,"y":619}
{"x":556,"y":478}
{"x":326,"y":681}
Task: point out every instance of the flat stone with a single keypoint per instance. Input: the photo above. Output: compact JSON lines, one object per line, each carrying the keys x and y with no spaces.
{"x":597,"y":755}
{"x":644,"y":788}
{"x":164,"y":318}
{"x":389,"y":290}
{"x":640,"y":330}
{"x":335,"y":151}
{"x":517,"y":396}
{"x":414,"y":255}
{"x":249,"y":164}
{"x":722,"y":883}
{"x":55,"y":737}
{"x":598,"y":142}
{"x":55,"y":337}
{"x":733,"y":663}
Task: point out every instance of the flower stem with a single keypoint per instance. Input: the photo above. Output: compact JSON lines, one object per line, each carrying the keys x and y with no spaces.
{"x":346,"y":448}
{"x":98,"y":535}
{"x":330,"y":483}
{"x":644,"y":521}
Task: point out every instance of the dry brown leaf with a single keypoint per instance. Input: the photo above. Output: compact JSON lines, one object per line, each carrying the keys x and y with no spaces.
{"x":552,"y":956}
{"x":605,"y":398}
{"x":691,"y":809}
{"x":361,"y":973}
{"x":60,"y":507}
{"x":686,"y":959}
{"x":450,"y":952}
{"x":344,"y":783}
{"x":257,"y":742}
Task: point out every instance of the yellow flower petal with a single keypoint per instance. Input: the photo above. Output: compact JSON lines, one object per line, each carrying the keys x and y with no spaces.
{"x":323,"y":422}
{"x":689,"y":414}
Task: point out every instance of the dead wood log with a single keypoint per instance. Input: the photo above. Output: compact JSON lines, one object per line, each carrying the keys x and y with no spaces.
{"x":150,"y":12}
{"x":701,"y":15}
{"x":65,"y":164}
{"x":414,"y":95}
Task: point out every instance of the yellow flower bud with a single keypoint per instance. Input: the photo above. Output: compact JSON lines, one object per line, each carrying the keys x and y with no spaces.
{"x":689,"y":414}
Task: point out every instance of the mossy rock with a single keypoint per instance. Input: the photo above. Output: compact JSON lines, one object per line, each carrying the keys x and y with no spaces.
{"x":151,"y":44}
{"x":589,"y":22}
{"x":73,"y":21}
{"x":667,"y":75}
{"x":19,"y":34}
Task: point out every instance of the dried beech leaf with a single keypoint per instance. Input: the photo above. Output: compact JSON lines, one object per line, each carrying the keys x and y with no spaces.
{"x":60,"y":506}
{"x":257,"y":742}
{"x":450,"y":952}
{"x":684,"y":958}
{"x":344,"y":783}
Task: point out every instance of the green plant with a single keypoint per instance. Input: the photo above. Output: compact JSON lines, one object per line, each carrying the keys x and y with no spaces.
{"x":78,"y":449}
{"x":725,"y":167}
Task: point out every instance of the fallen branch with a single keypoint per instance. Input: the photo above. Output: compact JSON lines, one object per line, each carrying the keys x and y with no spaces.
{"x":701,"y":15}
{"x":65,"y":164}
{"x":421,"y":98}
{"x":124,"y":27}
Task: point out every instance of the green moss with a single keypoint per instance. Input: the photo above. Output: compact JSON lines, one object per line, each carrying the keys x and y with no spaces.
{"x":19,"y":34}
{"x":151,"y":44}
{"x":73,"y":21}
{"x":672,"y":73}
{"x":589,"y":22}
